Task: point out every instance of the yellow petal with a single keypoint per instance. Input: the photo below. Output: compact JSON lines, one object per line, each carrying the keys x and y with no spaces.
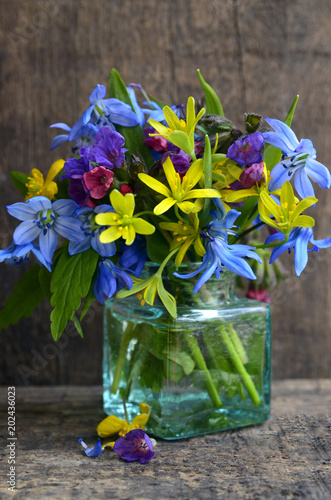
{"x":241,"y":194}
{"x":170,"y":172}
{"x":159,"y":127}
{"x":171,"y":118}
{"x":304,"y":221}
{"x":54,"y":170}
{"x":182,"y":251}
{"x":202,"y":193}
{"x":186,"y":206}
{"x":106,"y":219}
{"x":154,"y":184}
{"x":194,"y":173}
{"x":108,"y":445}
{"x":117,"y":201}
{"x":164,"y":206}
{"x":303,"y":205}
{"x":110,"y":234}
{"x":110,"y":425}
{"x":142,"y":226}
{"x":129,"y":234}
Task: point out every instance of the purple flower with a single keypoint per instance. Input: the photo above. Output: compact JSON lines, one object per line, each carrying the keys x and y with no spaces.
{"x":74,"y":169}
{"x":250,"y":177}
{"x":180,"y":159}
{"x":135,"y":445}
{"x":246,"y":150}
{"x":107,"y":149}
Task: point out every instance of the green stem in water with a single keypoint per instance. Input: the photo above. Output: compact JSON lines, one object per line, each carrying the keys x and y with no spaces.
{"x":237,"y":344}
{"x":201,"y":364}
{"x":126,"y":337}
{"x":237,"y":362}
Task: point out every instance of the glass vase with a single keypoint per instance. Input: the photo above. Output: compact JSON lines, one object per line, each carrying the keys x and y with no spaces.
{"x":205,"y":371}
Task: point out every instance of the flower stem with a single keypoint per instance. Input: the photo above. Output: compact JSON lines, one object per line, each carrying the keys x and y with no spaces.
{"x":201,"y":364}
{"x":237,"y":344}
{"x":121,"y":357}
{"x":238,"y":364}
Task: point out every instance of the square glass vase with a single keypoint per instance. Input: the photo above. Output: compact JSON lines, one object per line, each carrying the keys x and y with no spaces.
{"x":208,"y":370}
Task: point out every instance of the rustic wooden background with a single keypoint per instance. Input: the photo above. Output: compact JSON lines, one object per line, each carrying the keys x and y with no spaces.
{"x":258,"y":54}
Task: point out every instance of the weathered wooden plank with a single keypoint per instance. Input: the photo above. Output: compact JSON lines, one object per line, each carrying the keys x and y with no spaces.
{"x":257,"y":54}
{"x":287,"y":457}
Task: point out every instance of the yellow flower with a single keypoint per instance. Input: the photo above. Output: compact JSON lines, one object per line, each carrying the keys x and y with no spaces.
{"x":123,"y":223}
{"x":113,"y":425}
{"x":184,"y":236}
{"x":147,"y":289}
{"x":38,"y":187}
{"x":179,"y":132}
{"x":288,"y":214}
{"x":180,"y":190}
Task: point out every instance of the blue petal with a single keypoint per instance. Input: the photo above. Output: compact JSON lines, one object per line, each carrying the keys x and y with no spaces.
{"x":79,"y":246}
{"x":58,"y":140}
{"x":301,"y":250}
{"x":324,"y":243}
{"x":39,"y":256}
{"x":302,"y":183}
{"x":93,"y":451}
{"x":21,"y":211}
{"x":65,"y":207}
{"x":103,"y":249}
{"x":63,"y":126}
{"x":278,"y":176}
{"x":75,"y":130}
{"x":136,"y":106}
{"x":205,"y":276}
{"x":122,"y":115}
{"x":284,"y":132}
{"x":48,"y":241}
{"x":39,"y":203}
{"x":69,"y":228}
{"x":26,"y":232}
{"x":87,"y":114}
{"x":97,"y":93}
{"x":318,"y":172}
{"x":273,"y":237}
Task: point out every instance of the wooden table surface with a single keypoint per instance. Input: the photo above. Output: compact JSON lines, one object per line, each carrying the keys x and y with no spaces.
{"x":287,"y":457}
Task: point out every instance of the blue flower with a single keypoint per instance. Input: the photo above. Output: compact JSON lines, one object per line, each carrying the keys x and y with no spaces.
{"x":298,"y":161}
{"x":136,"y":107}
{"x":134,"y":256}
{"x":135,"y":445}
{"x":219,"y":253}
{"x":113,"y":109}
{"x":45,"y":220}
{"x":110,"y":279}
{"x":92,"y":232}
{"x":298,"y":240}
{"x":92,"y":451}
{"x":18,"y":254}
{"x":82,"y":134}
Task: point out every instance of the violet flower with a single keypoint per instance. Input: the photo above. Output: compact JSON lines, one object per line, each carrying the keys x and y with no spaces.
{"x":107,"y":149}
{"x":135,"y":445}
{"x":246,"y":150}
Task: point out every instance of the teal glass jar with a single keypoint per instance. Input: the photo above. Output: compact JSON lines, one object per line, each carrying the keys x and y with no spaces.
{"x":206,"y":371}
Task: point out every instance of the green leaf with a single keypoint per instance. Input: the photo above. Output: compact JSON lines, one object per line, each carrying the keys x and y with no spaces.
{"x":213,"y":104}
{"x":273,"y":155}
{"x":45,"y":282}
{"x":77,"y":324}
{"x":90,"y":298}
{"x":134,"y":136}
{"x":71,"y":282}
{"x":19,"y":180}
{"x":27,"y":295}
{"x":208,"y":181}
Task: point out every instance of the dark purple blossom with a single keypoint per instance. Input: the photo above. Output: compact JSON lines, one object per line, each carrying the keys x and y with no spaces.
{"x":156,"y":143}
{"x":74,"y":169}
{"x":251,"y":176}
{"x":246,"y":150}
{"x":180,"y":159}
{"x":135,"y":445}
{"x":107,"y":149}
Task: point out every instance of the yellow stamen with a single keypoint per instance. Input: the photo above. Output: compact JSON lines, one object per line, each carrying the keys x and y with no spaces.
{"x":290,"y":212}
{"x":179,"y":239}
{"x":142,"y":302}
{"x":120,"y":228}
{"x":185,"y":228}
{"x":139,"y":296}
{"x":175,"y":234}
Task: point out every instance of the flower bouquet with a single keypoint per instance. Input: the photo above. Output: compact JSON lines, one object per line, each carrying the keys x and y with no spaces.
{"x":157,"y":212}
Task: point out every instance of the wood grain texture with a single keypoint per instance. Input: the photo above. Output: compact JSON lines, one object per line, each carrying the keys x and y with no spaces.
{"x":286,"y":457}
{"x":258,"y":54}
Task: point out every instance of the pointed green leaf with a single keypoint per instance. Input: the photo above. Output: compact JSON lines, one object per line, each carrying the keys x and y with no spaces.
{"x":27,"y":294}
{"x":273,"y":155}
{"x":70,"y":283}
{"x":134,"y":136}
{"x":19,"y":180}
{"x":213,"y":104}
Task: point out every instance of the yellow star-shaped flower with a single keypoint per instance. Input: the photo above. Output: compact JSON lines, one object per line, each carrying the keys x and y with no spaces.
{"x":122,"y":222}
{"x":180,"y":189}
